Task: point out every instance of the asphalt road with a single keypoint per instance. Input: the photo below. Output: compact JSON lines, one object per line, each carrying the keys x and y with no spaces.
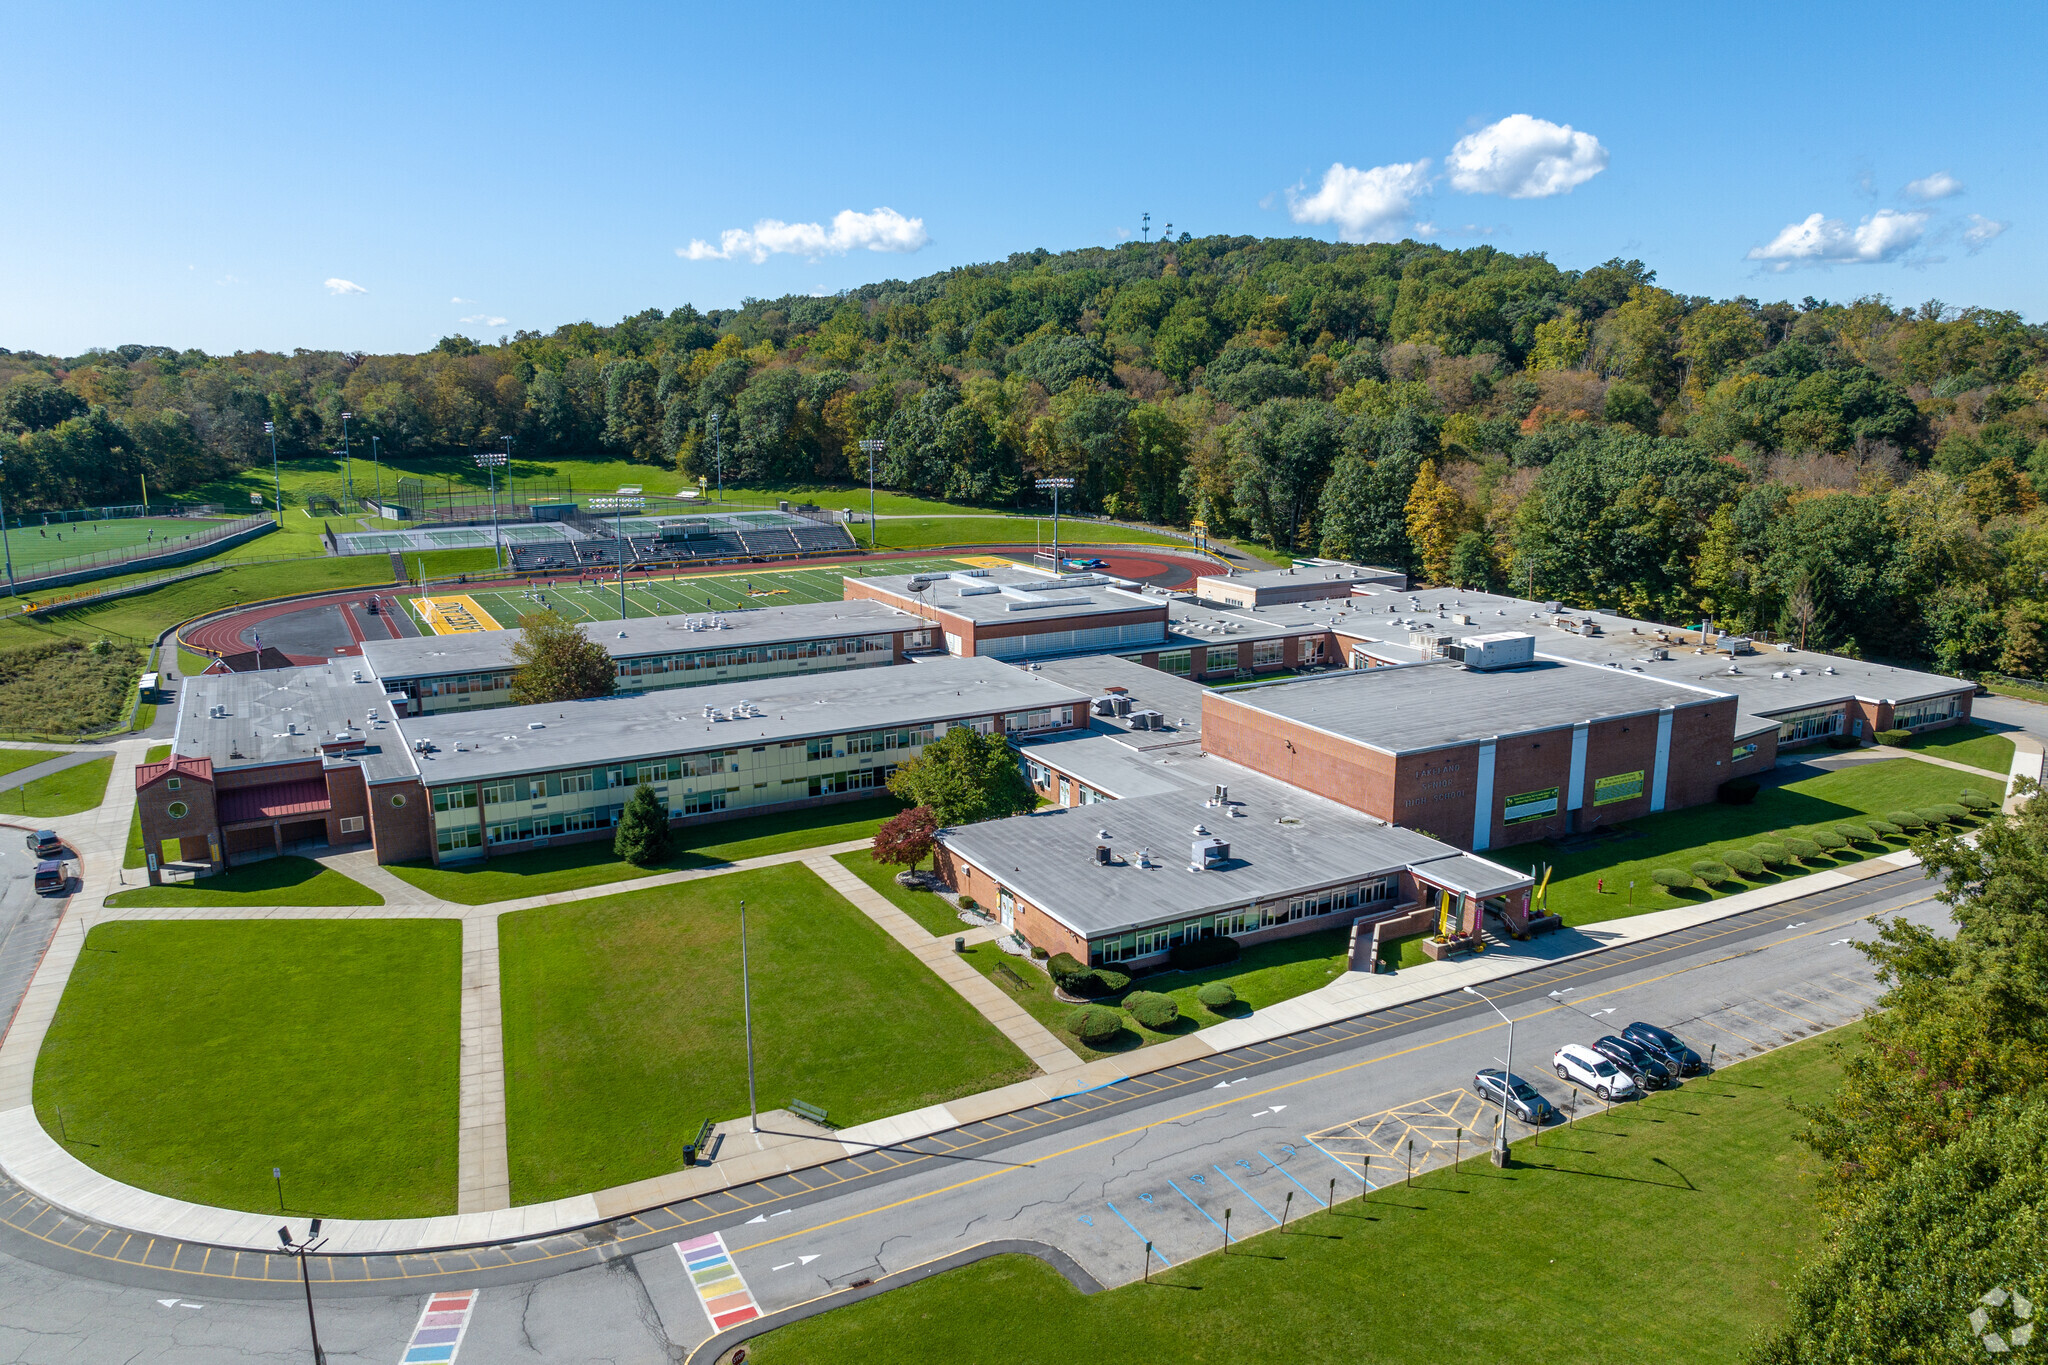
{"x":1244,"y":1131}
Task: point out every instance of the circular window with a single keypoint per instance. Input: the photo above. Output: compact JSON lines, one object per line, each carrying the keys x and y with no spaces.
{"x":176,"y":810}
{"x":398,"y":800}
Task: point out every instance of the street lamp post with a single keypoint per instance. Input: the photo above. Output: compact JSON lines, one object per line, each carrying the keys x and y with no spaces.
{"x":276,"y":486}
{"x":490,"y":460}
{"x":1054,"y":486}
{"x":376,"y":476}
{"x":718,"y":455}
{"x":1500,"y":1140}
{"x":302,"y":1250}
{"x":6,"y":549}
{"x":873,"y":446}
{"x":348,"y":469}
{"x":747,"y":1006}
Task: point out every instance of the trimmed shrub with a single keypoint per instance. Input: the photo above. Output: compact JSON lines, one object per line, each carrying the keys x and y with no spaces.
{"x":1883,"y":829}
{"x":1095,"y":1023}
{"x":1150,"y":1008}
{"x":1672,"y":878}
{"x":1064,"y":967}
{"x":1906,"y":820}
{"x":1711,"y":872}
{"x":1739,"y":791}
{"x":1217,"y":996}
{"x":1772,"y":855}
{"x":1827,"y":839}
{"x":1857,"y":834}
{"x":1744,"y":862}
{"x":1935,"y":816}
{"x":1950,"y":813}
{"x":1037,"y":953}
{"x":1193,"y":953}
{"x":1801,"y":849}
{"x":968,"y":903}
{"x":1096,"y":984}
{"x":1895,"y":738}
{"x":1844,"y":742}
{"x":1972,"y":799}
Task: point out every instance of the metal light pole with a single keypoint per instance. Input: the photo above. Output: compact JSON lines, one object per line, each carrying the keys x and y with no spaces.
{"x":873,"y":447}
{"x":301,"y":1250}
{"x":619,"y":530}
{"x":377,"y":476}
{"x":490,"y":460}
{"x":1054,"y":486}
{"x":747,"y":1006}
{"x":348,"y":470}
{"x":718,"y":455}
{"x":1500,"y":1140}
{"x":270,"y":430}
{"x":5,"y":548}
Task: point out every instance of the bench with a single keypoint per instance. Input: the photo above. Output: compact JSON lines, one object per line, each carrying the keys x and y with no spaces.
{"x":811,"y":1112}
{"x":692,"y":1150}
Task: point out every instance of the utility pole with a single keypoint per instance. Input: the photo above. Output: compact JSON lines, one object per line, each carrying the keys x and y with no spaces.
{"x":489,"y":460}
{"x":348,"y":469}
{"x":277,"y":486}
{"x":1054,"y":486}
{"x":873,"y":447}
{"x":718,"y":455}
{"x":377,"y":476}
{"x":6,"y":549}
{"x":747,"y":1005}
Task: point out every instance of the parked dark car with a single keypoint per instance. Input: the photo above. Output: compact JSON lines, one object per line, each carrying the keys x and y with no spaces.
{"x":50,"y":877}
{"x":1639,"y":1062}
{"x":1525,"y":1102}
{"x":45,"y":843}
{"x":1666,"y":1045}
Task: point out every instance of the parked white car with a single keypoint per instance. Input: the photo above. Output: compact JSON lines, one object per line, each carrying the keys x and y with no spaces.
{"x":1583,"y":1066}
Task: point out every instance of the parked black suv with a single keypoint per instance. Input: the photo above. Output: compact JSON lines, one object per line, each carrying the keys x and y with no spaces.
{"x":1638,"y":1061}
{"x":1666,"y":1045}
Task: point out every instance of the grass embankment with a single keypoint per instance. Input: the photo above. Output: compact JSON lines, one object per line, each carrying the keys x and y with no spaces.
{"x":917,"y":533}
{"x":1678,"y":839}
{"x":134,"y":856}
{"x":190,"y":1057}
{"x":1971,"y":743}
{"x":1662,"y":1230}
{"x":274,"y":881}
{"x":623,"y":1024}
{"x":932,"y":911}
{"x":571,"y":867}
{"x":1263,"y":975}
{"x":66,"y":792}
{"x":14,"y":760}
{"x":64,"y":687}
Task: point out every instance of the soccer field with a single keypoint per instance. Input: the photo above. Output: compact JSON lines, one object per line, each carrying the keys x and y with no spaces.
{"x":33,"y":543}
{"x":650,"y":595}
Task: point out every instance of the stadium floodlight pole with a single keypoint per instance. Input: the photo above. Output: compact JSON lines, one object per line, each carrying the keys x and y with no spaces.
{"x":490,"y":460}
{"x":1507,"y":1076}
{"x":348,"y":469}
{"x":718,"y":455}
{"x":6,"y":549}
{"x":276,"y":486}
{"x":619,"y":533}
{"x":302,"y":1250}
{"x":873,"y":447}
{"x":747,"y":1005}
{"x":377,"y":477}
{"x":1054,"y":486}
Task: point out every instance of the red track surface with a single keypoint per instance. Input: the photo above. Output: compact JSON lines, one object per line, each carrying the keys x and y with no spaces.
{"x":230,"y":634}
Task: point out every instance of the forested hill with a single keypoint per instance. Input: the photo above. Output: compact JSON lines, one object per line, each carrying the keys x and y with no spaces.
{"x":1858,"y":473}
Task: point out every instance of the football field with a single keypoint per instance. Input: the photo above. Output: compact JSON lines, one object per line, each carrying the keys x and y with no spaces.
{"x":663,"y":595}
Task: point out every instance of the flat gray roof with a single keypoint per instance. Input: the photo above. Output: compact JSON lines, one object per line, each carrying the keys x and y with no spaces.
{"x":471,"y":745}
{"x":1627,"y":641}
{"x":428,"y":656}
{"x":1284,"y":841}
{"x":1013,"y":595}
{"x":1100,"y":758}
{"x":1279,"y":578}
{"x":1429,"y":706}
{"x":1210,"y":623}
{"x":1176,"y":699}
{"x":261,"y":709}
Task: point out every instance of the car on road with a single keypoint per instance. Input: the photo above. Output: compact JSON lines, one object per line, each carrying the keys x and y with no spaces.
{"x":45,"y":843}
{"x":1525,"y":1102}
{"x":1666,"y":1045}
{"x":1649,"y":1071}
{"x":50,"y":876}
{"x":1581,"y":1065}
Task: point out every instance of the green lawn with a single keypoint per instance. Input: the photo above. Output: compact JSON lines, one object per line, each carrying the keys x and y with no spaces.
{"x":1971,"y":743}
{"x":77,"y":788}
{"x":623,"y":1024}
{"x":274,"y":881}
{"x":190,"y":1057}
{"x":1663,"y":1230}
{"x":934,"y":912}
{"x":573,"y":866}
{"x":1677,"y":839}
{"x":1264,"y":974}
{"x":134,"y":857}
{"x":917,"y":533}
{"x":14,"y":760}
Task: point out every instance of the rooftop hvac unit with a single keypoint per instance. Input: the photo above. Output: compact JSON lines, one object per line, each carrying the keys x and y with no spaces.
{"x":1502,"y":649}
{"x":1147,"y":720}
{"x":1209,"y":853}
{"x":1102,"y":854}
{"x":1121,"y":703}
{"x":1104,"y":706}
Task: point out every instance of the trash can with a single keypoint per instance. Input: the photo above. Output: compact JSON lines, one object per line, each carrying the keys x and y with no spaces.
{"x":689,"y":1155}
{"x":960,"y":943}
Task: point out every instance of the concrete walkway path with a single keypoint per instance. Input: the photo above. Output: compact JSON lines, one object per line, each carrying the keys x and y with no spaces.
{"x":21,"y":777}
{"x":1887,"y":751}
{"x":484,"y":1179}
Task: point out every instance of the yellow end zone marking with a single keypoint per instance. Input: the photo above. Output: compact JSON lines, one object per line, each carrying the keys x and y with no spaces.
{"x":458,"y":615}
{"x":988,"y":562}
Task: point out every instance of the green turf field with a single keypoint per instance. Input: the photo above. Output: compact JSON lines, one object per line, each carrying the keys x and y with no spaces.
{"x":33,"y":545}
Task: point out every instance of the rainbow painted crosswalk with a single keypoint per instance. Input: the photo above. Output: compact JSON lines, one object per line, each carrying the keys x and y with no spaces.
{"x":727,"y":1300}
{"x":439,"y":1334}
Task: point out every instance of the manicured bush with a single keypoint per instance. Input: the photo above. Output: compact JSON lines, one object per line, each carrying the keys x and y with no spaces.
{"x":1711,"y":872}
{"x":1095,"y":1023}
{"x":1037,"y":953}
{"x":1744,"y":862}
{"x":1844,"y":742}
{"x":1935,"y":816}
{"x":968,"y":903}
{"x":1950,"y":813}
{"x":1802,"y":850}
{"x":1895,"y":738}
{"x":1672,"y":878}
{"x":1150,"y":1008}
{"x":1907,"y":820}
{"x":1217,"y":996}
{"x":1771,"y":855}
{"x":1827,"y":839}
{"x":1857,"y":834}
{"x":1064,"y":967}
{"x":1739,"y":791}
{"x":1973,"y":799}
{"x":1192,"y":953}
{"x":1883,"y":829}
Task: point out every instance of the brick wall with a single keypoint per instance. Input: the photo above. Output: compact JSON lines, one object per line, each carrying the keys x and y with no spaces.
{"x":401,"y":832}
{"x":1350,"y":773}
{"x":1039,"y":929}
{"x":350,"y":800}
{"x":199,"y":824}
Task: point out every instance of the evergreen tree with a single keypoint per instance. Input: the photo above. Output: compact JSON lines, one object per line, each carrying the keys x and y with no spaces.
{"x":642,"y":836}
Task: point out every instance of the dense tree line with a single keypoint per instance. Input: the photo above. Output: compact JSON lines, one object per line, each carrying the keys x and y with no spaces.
{"x":1859,"y":475}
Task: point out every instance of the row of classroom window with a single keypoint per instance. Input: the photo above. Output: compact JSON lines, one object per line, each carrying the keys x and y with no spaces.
{"x":1160,"y":937}
{"x":1223,"y":658}
{"x":465,"y":684}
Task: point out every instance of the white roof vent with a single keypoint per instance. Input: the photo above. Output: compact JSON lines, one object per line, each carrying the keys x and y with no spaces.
{"x":536,"y":725}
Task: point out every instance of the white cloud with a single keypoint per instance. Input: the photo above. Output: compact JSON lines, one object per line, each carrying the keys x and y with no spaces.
{"x":1982,"y":231}
{"x":1883,"y":236}
{"x":339,"y":287}
{"x":1929,"y":188}
{"x":1366,"y":205}
{"x":459,"y":299}
{"x":484,"y":318}
{"x":1525,"y":158}
{"x":883,"y":230}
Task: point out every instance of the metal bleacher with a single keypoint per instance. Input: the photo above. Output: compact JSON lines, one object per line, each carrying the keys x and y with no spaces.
{"x":704,"y":543}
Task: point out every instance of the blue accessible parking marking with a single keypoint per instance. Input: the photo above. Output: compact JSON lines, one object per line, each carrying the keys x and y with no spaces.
{"x":1247,"y":1194}
{"x":1198,"y":1208}
{"x":1304,"y":1189}
{"x":1134,"y":1230}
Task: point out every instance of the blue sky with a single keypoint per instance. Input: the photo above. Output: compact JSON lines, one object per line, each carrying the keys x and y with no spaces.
{"x":196,"y":176}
